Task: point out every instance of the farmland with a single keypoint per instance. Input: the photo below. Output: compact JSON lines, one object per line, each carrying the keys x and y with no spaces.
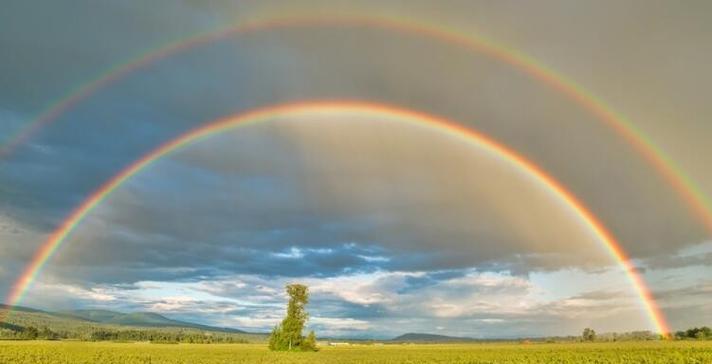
{"x":64,"y":352}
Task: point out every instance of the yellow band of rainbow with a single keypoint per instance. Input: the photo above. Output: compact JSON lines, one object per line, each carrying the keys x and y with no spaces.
{"x":698,"y":202}
{"x":484,"y":142}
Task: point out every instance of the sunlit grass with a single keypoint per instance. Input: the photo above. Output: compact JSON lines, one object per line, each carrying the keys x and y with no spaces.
{"x":35,"y":352}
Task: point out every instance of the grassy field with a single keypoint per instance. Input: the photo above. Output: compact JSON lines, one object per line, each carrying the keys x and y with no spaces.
{"x":37,"y":352}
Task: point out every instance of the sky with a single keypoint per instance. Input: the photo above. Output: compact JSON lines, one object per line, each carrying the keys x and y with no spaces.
{"x":395,"y":226}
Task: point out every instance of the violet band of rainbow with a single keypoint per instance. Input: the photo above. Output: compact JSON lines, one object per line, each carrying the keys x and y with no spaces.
{"x":484,"y":142}
{"x":698,"y":202}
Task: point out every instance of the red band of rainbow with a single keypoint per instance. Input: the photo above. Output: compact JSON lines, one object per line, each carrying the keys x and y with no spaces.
{"x":694,"y":197}
{"x":538,"y":175}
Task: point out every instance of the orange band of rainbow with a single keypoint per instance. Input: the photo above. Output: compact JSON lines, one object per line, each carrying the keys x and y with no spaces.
{"x":695,"y":198}
{"x":485,"y":143}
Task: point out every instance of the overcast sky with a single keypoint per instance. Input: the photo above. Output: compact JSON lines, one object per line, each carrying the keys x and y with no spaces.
{"x":395,"y":227}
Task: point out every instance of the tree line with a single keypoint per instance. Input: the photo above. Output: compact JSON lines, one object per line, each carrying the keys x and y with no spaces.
{"x":165,"y":336}
{"x":695,"y":333}
{"x":699,"y":333}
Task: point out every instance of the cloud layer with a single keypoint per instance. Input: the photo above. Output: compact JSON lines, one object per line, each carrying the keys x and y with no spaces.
{"x":392,"y":225}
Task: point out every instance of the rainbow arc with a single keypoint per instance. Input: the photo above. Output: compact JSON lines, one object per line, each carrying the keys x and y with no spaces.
{"x":698,"y":202}
{"x":479,"y":140}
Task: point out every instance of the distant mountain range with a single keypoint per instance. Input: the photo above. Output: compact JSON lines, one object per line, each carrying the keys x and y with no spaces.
{"x":68,"y":320}
{"x":429,"y":338}
{"x":143,"y":319}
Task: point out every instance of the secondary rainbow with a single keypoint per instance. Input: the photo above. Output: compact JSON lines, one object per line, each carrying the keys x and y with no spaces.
{"x":690,"y":192}
{"x":55,"y":240}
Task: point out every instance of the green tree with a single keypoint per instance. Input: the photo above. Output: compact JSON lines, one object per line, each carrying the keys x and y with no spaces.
{"x":288,"y":334}
{"x":47,"y":334}
{"x":30,"y":333}
{"x":703,"y":332}
{"x":588,"y":334}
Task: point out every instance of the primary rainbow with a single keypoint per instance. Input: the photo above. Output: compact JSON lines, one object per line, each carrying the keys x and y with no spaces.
{"x":696,"y":199}
{"x":483,"y":142}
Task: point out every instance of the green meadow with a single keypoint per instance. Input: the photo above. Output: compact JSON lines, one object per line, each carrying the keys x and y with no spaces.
{"x":66,"y":352}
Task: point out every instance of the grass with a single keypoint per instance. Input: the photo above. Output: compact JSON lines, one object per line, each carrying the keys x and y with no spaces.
{"x":37,"y":352}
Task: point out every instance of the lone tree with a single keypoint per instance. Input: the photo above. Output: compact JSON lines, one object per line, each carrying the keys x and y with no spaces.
{"x":288,"y":334}
{"x":588,"y":335}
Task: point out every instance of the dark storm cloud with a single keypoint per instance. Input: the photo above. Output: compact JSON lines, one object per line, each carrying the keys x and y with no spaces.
{"x":333,"y":307}
{"x":51,"y":49}
{"x":300,"y":212}
{"x":624,"y":195}
{"x":252,"y":205}
{"x":200,"y":86}
{"x":284,"y":208}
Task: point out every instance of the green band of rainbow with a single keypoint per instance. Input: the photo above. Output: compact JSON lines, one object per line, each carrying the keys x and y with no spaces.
{"x":698,"y":202}
{"x":481,"y":141}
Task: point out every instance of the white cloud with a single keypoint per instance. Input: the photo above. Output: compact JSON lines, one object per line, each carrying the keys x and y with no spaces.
{"x":292,"y":253}
{"x":380,"y":303}
{"x":95,"y":294}
{"x":175,"y":303}
{"x":361,"y":289}
{"x":257,"y":322}
{"x":374,"y":258}
{"x":340,"y":324}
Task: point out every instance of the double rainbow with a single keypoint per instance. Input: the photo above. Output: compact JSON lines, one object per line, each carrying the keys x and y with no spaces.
{"x":686,"y":188}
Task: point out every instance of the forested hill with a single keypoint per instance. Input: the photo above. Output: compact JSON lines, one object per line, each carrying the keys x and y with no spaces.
{"x":24,"y":322}
{"x":142,"y":319}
